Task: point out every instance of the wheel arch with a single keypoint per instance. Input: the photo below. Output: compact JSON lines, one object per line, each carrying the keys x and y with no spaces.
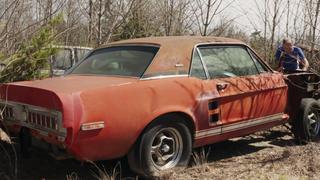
{"x":180,"y":116}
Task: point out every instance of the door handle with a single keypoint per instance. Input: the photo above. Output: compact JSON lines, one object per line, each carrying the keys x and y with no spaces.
{"x":222,"y":86}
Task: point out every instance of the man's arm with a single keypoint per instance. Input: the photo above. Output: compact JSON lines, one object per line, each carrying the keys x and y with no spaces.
{"x":305,"y":64}
{"x":303,"y":60}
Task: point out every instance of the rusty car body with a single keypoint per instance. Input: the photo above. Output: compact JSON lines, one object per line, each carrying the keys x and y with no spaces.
{"x":152,"y":99}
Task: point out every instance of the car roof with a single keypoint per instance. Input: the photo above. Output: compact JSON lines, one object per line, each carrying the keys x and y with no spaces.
{"x":178,"y":40}
{"x":175,"y":52}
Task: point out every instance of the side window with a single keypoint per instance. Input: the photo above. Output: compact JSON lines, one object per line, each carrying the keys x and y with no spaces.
{"x":227,"y":61}
{"x":62,"y":59}
{"x":261,"y":68}
{"x":197,"y":67}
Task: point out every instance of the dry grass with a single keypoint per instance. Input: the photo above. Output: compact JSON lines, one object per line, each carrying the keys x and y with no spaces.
{"x":102,"y":173}
{"x":264,"y":155}
{"x":284,"y":161}
{"x":4,"y":137}
{"x":99,"y":172}
{"x":73,"y":176}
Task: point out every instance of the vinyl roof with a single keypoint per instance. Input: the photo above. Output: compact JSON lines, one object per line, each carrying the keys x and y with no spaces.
{"x":175,"y":52}
{"x":178,"y":40}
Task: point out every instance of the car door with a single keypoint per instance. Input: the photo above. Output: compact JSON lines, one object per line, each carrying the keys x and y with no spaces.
{"x":245,"y":93}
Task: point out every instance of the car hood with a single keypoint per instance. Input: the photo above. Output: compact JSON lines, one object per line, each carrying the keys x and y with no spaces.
{"x":71,"y":84}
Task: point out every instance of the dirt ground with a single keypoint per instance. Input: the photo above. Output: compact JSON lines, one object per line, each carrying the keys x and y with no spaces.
{"x":269,"y":154}
{"x":265,"y":155}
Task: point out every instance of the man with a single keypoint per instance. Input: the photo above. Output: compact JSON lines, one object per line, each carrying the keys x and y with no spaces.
{"x":291,"y":58}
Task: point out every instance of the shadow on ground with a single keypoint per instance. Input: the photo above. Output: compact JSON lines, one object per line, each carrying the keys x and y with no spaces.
{"x":279,"y":136}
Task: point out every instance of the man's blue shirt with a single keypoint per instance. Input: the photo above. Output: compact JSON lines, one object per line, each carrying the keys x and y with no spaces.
{"x":290,"y":61}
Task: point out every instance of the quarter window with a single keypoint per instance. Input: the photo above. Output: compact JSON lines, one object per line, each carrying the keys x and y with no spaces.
{"x":227,"y":61}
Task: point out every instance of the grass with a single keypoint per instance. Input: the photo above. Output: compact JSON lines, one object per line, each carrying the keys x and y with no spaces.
{"x":200,"y":156}
{"x":99,"y":172}
{"x":199,"y":164}
{"x":283,"y":160}
{"x":102,"y":173}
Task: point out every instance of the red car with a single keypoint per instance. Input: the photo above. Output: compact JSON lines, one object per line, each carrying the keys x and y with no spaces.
{"x":154,"y":99}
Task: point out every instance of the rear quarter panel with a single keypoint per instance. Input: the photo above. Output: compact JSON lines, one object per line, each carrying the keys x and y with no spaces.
{"x":127,"y":109}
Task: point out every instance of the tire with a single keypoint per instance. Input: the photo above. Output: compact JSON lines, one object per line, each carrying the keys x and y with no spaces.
{"x":25,"y":142}
{"x":162,"y":146}
{"x":306,"y":126}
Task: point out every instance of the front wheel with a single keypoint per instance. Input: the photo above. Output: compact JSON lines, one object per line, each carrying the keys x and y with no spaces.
{"x":163,"y":146}
{"x":306,"y":125}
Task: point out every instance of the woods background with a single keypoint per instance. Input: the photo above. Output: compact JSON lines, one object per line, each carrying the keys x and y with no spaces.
{"x":96,"y":22}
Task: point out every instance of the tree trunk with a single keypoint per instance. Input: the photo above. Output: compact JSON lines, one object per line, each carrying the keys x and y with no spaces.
{"x":90,"y":22}
{"x":206,"y":24}
{"x":288,"y":16}
{"x":274,"y":24}
{"x":314,"y":28}
{"x":265,"y":31}
{"x":99,"y":34}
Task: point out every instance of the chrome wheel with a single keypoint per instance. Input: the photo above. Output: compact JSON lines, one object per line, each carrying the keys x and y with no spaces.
{"x":167,"y":148}
{"x":162,"y":146}
{"x":314,"y":122}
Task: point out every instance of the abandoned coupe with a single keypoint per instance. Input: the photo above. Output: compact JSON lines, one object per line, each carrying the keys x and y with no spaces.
{"x":155,"y":99}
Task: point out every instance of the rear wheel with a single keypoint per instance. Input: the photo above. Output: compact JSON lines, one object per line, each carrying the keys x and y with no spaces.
{"x":163,"y":146}
{"x":306,"y":126}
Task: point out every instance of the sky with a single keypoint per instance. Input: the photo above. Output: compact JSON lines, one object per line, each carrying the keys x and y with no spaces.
{"x":246,"y":15}
{"x":244,"y":12}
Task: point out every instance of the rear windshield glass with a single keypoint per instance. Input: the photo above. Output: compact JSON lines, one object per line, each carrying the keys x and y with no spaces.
{"x":117,"y":61}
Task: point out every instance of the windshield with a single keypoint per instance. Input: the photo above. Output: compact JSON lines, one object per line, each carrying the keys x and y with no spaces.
{"x":119,"y":61}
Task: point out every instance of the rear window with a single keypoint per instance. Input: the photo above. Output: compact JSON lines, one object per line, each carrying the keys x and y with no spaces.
{"x":117,"y":61}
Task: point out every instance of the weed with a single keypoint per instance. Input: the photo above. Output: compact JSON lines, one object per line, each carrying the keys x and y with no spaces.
{"x":200,"y":157}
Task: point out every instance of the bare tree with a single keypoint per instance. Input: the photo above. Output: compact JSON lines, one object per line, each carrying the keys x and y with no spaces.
{"x":271,"y":15}
{"x":175,"y":16}
{"x":19,"y":21}
{"x":276,"y":14}
{"x":105,"y":16}
{"x":288,"y":18}
{"x":205,"y":11}
{"x":314,"y":23}
{"x":90,"y":21}
{"x":73,"y":26}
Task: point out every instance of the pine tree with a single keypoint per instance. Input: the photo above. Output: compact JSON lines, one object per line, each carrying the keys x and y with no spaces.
{"x":32,"y":57}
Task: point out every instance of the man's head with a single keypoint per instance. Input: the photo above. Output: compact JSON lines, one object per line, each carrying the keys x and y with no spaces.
{"x":287,"y":45}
